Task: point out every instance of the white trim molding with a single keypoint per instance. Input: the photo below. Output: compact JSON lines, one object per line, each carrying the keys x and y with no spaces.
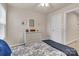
{"x":17,"y":45}
{"x":71,"y":41}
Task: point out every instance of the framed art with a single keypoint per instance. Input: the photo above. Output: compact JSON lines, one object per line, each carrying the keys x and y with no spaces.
{"x":31,"y":22}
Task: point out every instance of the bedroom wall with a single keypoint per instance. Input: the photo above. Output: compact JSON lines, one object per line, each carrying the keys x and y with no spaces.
{"x":15,"y":28}
{"x":61,"y":11}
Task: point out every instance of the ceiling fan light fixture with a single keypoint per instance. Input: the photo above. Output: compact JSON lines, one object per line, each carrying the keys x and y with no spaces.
{"x":44,"y":4}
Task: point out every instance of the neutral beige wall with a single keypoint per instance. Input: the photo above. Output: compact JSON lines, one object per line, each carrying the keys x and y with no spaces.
{"x":62,"y":11}
{"x":14,"y":23}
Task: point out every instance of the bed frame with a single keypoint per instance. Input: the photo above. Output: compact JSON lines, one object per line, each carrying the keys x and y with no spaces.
{"x":65,"y":49}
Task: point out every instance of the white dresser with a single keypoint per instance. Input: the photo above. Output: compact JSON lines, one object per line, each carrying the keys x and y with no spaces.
{"x":33,"y":31}
{"x":33,"y":36}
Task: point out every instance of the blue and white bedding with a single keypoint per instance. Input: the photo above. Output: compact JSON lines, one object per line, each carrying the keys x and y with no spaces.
{"x":36,"y":49}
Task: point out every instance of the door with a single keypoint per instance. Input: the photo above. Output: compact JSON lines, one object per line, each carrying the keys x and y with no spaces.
{"x":56,"y":27}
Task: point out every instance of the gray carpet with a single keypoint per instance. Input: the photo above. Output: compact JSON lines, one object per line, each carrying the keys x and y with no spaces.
{"x":36,"y":49}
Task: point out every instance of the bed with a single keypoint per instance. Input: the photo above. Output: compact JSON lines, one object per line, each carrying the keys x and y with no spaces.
{"x":43,"y":48}
{"x":36,"y":49}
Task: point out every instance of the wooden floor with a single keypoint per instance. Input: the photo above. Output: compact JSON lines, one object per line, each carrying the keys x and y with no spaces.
{"x":75,"y":45}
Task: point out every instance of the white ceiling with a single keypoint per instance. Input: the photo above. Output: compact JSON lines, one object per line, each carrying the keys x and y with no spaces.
{"x":35,"y":7}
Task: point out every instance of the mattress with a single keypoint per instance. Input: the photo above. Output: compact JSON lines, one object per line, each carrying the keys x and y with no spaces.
{"x":36,"y":49}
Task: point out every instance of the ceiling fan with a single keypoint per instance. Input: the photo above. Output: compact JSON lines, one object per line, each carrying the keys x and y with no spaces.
{"x":44,"y":5}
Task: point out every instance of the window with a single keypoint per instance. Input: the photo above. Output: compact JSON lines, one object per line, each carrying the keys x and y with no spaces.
{"x":2,"y":22}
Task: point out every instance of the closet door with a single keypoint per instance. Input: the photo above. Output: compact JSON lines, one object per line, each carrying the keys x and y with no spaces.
{"x":56,"y":28}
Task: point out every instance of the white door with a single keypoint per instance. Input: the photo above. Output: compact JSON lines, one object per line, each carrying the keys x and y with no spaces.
{"x":56,"y":28}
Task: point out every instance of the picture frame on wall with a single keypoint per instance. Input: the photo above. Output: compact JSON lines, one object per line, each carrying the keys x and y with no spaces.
{"x":31,"y":22}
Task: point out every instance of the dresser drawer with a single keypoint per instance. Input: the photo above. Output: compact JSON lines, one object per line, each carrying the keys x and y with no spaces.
{"x":34,"y":36}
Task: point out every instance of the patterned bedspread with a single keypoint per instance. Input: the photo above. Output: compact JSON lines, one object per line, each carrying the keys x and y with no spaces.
{"x":36,"y":49}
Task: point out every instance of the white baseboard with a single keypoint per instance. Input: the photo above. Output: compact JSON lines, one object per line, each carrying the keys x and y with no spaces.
{"x":17,"y":45}
{"x":71,"y":41}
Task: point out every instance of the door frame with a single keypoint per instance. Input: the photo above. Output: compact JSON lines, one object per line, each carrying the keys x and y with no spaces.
{"x":65,"y":25}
